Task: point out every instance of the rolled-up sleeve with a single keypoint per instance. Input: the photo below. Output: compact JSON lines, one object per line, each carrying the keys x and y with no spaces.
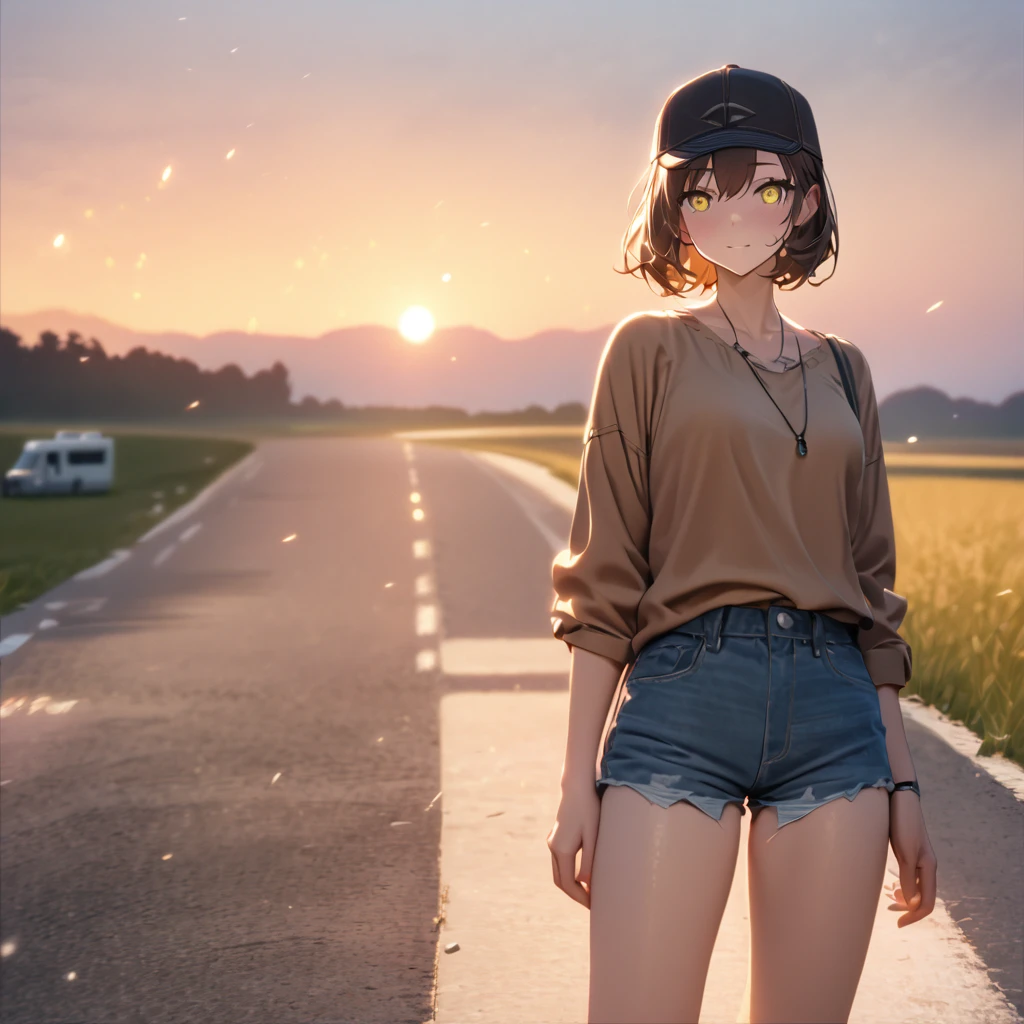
{"x":887,"y":655}
{"x":602,"y":575}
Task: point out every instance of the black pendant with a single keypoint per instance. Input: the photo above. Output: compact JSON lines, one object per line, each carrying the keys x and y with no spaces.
{"x":801,"y":445}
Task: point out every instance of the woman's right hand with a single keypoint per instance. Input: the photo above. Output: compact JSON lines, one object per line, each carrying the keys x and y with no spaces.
{"x":575,"y":828}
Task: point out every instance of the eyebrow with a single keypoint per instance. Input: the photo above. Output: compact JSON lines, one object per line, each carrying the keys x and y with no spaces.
{"x":778,"y":167}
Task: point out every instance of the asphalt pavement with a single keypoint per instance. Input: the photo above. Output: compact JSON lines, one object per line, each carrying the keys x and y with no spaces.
{"x":279,"y":757}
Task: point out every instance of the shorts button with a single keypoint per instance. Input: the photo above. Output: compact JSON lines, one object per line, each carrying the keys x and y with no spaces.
{"x":784,"y":620}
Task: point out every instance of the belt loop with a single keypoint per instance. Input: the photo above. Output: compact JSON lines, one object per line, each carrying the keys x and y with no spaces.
{"x":817,"y":629}
{"x":713,"y":628}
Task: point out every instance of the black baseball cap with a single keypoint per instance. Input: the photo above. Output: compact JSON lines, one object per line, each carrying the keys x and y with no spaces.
{"x":734,"y":106}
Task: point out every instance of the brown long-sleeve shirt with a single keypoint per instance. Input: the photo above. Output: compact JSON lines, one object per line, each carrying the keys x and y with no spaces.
{"x":692,"y":496}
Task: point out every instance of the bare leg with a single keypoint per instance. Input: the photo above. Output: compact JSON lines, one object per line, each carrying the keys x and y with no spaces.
{"x":660,"y":882}
{"x":814,"y":889}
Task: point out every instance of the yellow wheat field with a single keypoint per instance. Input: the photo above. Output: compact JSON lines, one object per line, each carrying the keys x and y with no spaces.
{"x":960,"y":564}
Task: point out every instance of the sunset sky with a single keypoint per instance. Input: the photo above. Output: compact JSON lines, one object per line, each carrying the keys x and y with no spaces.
{"x":377,"y":147}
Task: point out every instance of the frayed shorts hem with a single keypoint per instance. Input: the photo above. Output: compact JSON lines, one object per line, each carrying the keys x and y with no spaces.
{"x":792,"y":810}
{"x":787,"y":810}
{"x":664,"y":797}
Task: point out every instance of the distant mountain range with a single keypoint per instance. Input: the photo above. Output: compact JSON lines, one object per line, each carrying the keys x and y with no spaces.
{"x":374,"y":365}
{"x":471,"y":369}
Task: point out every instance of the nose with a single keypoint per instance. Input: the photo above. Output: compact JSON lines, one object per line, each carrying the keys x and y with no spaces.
{"x":735,"y":218}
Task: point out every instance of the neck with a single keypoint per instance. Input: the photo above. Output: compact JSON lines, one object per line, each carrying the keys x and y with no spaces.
{"x":749,"y":303}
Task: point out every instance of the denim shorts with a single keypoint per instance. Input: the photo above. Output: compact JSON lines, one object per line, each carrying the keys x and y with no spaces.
{"x":772,"y":705}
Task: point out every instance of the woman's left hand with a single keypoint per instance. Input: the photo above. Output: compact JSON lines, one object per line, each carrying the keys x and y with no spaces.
{"x":909,"y":838}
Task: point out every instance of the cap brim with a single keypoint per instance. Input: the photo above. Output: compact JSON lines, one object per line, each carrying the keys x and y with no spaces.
{"x":719,"y":139}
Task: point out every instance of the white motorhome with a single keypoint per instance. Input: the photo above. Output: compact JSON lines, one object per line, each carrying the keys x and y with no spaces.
{"x":71,"y":462}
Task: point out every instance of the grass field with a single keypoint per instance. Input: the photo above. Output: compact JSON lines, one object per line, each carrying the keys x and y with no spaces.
{"x":47,"y":539}
{"x":960,"y":564}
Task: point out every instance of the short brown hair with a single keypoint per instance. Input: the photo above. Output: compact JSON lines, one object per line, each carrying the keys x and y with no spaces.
{"x":653,"y":235}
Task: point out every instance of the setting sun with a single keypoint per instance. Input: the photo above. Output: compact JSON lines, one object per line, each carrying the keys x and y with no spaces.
{"x":416,"y":324}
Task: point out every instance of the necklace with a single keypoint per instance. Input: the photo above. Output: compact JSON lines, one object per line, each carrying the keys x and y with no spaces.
{"x":801,"y":443}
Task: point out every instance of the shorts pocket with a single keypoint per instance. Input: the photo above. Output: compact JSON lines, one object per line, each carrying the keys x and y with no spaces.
{"x":681,"y":655}
{"x":847,"y":662}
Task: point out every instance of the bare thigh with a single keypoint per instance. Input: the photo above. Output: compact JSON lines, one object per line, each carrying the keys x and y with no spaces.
{"x":659,"y":885}
{"x":814,"y":890}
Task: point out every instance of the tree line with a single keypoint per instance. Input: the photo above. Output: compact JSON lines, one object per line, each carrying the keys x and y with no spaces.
{"x":73,"y":379}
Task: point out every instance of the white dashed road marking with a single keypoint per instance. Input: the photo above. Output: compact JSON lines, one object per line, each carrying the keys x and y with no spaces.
{"x":11,"y":643}
{"x":190,"y":532}
{"x":426,"y":619}
{"x":164,"y":555}
{"x":426,"y":614}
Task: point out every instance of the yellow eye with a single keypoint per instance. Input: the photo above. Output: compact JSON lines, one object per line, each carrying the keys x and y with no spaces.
{"x":771,"y":194}
{"x":700,"y":203}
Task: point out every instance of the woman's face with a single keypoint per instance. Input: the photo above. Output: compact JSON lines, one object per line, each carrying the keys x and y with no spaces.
{"x":746,"y":231}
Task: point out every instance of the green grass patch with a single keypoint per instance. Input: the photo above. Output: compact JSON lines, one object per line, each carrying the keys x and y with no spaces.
{"x":48,"y":538}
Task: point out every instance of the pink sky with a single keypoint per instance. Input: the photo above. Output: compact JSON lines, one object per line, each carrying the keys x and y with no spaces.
{"x":377,"y":150}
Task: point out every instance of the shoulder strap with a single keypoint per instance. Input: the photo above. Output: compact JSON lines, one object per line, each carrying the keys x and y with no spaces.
{"x":845,"y":373}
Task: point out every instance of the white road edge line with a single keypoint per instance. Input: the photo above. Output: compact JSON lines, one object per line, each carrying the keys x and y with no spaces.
{"x":965,"y":742}
{"x":555,"y":542}
{"x":558,"y":492}
{"x":102,"y":568}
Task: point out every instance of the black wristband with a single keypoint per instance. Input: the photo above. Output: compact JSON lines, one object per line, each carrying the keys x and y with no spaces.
{"x":907,"y":785}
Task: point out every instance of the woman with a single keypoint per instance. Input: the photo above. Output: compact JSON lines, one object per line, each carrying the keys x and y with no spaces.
{"x":732,"y":547}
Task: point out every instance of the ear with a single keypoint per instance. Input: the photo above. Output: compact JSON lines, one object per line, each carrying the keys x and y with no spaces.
{"x":809,"y":205}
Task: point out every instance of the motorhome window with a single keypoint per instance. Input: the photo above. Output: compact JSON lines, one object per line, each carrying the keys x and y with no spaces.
{"x":27,"y":460}
{"x":53,"y":459}
{"x":88,"y":457}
